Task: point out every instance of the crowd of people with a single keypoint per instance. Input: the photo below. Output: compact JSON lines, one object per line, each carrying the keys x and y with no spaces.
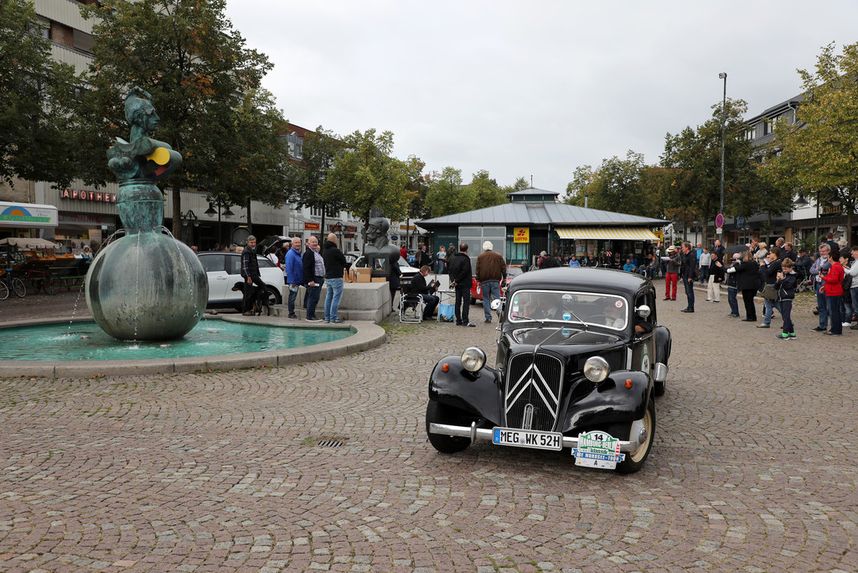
{"x":774,"y":273}
{"x":306,"y":269}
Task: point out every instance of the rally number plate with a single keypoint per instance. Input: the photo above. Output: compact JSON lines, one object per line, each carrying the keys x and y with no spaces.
{"x":527,"y":439}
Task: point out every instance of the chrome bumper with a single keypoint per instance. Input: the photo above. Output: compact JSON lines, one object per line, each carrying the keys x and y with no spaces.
{"x":485,"y":435}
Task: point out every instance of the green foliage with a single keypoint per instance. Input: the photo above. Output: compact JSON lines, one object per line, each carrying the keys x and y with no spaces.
{"x":36,"y":140}
{"x":365,"y":175}
{"x":418,"y":188}
{"x":579,"y":187}
{"x":197,"y":68}
{"x":446,"y":194}
{"x":485,"y":190}
{"x":819,"y":153}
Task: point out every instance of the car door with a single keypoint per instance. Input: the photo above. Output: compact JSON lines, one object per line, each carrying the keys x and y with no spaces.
{"x":218,"y":279}
{"x":233,"y":270}
{"x":643,"y":343}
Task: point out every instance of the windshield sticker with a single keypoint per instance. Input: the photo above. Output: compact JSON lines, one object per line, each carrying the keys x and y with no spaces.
{"x":567,"y":316}
{"x":618,"y":304}
{"x":567,"y":298}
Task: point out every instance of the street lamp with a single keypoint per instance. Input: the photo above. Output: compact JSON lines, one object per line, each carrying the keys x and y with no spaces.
{"x":189,"y":221}
{"x":220,"y":203}
{"x":723,"y":76}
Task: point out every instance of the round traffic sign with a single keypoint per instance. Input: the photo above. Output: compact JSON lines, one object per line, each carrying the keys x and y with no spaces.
{"x":719,"y":220}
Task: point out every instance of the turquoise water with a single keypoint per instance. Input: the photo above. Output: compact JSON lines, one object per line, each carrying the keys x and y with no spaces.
{"x":86,"y":341}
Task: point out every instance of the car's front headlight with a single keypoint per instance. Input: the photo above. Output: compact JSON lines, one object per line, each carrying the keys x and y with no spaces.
{"x":596,"y":369}
{"x":473,"y":359}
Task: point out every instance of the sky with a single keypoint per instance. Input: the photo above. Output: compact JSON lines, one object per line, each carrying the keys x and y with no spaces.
{"x":532,"y":87}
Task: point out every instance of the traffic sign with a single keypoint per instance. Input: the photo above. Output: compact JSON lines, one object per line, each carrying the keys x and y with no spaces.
{"x":719,"y":220}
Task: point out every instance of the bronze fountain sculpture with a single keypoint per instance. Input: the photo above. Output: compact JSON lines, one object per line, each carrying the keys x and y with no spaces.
{"x":145,"y":285}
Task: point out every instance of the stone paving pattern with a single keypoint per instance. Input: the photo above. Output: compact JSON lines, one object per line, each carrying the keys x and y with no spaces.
{"x":753,"y":469}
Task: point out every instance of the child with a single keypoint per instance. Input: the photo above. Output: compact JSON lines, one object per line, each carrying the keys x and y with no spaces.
{"x":787,"y":280}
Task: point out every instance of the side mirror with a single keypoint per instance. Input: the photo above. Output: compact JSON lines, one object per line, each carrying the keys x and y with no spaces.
{"x":498,"y":303}
{"x":643,"y":311}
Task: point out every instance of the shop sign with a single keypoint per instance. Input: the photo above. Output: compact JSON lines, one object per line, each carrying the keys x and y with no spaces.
{"x":27,"y":215}
{"x":407,"y":227}
{"x":310,"y":226}
{"x":82,"y":195}
{"x":335,"y":228}
{"x":521,"y":235}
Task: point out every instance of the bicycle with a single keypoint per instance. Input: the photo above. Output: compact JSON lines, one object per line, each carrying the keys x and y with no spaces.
{"x":8,"y":284}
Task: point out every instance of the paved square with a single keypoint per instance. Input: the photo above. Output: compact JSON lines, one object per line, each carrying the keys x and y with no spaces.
{"x":753,"y":469}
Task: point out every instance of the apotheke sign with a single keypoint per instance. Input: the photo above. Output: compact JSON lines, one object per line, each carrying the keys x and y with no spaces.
{"x":94,"y":196}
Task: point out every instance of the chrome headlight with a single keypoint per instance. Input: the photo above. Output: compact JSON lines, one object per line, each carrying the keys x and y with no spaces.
{"x":473,"y":359}
{"x":596,"y":369}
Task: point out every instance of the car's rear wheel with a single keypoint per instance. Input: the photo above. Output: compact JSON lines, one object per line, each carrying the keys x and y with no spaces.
{"x":273,"y":295}
{"x":437,"y":413}
{"x":635,"y":460}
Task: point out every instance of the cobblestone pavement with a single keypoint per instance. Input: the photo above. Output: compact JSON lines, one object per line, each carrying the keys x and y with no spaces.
{"x":753,"y":468}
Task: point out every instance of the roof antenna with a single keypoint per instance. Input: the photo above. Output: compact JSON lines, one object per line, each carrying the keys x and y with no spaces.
{"x":531,"y":180}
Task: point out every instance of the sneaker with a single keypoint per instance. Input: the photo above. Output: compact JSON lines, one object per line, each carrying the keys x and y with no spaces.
{"x":829,"y":333}
{"x":471,"y":324}
{"x":818,"y":329}
{"x":326,"y":320}
{"x":293,"y":315}
{"x":792,"y":334}
{"x":783,"y":336}
{"x":458,"y":323}
{"x":764,"y":325}
{"x":488,"y":321}
{"x":687,"y":310}
{"x":340,"y":321}
{"x":314,"y":319}
{"x":846,"y":324}
{"x":666,"y":298}
{"x":708,"y":300}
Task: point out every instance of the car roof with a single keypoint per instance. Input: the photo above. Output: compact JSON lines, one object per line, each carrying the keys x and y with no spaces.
{"x":587,"y":279}
{"x":201,"y":253}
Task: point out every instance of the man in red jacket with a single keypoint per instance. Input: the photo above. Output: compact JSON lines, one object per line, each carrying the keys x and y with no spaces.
{"x":833,"y":288}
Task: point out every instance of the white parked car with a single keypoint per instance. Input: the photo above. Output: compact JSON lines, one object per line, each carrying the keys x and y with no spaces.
{"x":224,"y":270}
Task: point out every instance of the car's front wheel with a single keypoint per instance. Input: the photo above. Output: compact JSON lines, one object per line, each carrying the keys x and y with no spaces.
{"x":635,"y":460}
{"x":437,"y":413}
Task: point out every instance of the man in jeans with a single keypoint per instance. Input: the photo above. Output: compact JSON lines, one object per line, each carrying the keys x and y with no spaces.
{"x":491,"y":269}
{"x":294,"y":274}
{"x":688,"y":272}
{"x":335,"y":264}
{"x":314,"y":276}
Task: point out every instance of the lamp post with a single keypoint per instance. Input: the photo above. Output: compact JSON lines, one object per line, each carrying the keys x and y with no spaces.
{"x":189,"y":221}
{"x":723,"y":76}
{"x":220,"y":203}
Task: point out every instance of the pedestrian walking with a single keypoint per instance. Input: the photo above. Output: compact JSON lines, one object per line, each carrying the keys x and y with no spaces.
{"x":459,"y":269}
{"x":491,"y":270}
{"x":335,"y":266}
{"x":671,"y":275}
{"x":294,"y":274}
{"x":314,"y":276}
{"x":732,"y":289}
{"x":748,"y":283}
{"x":688,"y":272}
{"x":787,"y":280}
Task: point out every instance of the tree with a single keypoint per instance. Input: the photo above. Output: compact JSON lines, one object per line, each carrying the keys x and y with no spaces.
{"x":819,"y":152}
{"x":318,"y":153}
{"x":485,"y":190}
{"x":258,"y":167}
{"x":366,"y":176}
{"x":36,"y":140}
{"x":579,"y":187}
{"x":188,"y":56}
{"x":418,"y":188}
{"x":446,"y":194}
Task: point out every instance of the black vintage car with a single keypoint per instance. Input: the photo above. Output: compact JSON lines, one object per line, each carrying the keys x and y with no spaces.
{"x":580,"y":359}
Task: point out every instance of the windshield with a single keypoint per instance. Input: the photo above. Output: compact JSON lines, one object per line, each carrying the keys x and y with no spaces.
{"x":609,"y":311}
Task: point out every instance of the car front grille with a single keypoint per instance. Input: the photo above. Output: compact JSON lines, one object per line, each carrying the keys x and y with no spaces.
{"x":533,"y":386}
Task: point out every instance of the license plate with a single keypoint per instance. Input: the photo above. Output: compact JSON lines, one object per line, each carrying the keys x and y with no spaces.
{"x":527,"y":439}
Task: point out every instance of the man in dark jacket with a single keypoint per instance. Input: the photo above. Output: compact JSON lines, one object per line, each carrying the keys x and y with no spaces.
{"x":459,"y":269}
{"x":335,"y":266}
{"x":314,"y":275}
{"x":770,"y":266}
{"x":491,"y":270}
{"x":418,"y":286}
{"x":687,"y":273}
{"x":250,"y":274}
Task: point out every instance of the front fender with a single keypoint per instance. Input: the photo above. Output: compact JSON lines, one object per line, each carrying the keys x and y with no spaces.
{"x":610,"y":403}
{"x":663,"y":344}
{"x":478,"y":393}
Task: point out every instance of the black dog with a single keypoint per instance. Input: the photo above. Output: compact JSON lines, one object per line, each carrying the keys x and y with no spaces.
{"x":258,"y":298}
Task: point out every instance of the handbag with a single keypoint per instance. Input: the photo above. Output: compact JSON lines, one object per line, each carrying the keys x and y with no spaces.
{"x":769,"y":292}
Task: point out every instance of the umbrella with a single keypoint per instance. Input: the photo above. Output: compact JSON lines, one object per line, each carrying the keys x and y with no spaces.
{"x":28,"y":243}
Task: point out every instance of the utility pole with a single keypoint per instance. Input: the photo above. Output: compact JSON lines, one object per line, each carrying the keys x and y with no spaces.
{"x":723,"y":76}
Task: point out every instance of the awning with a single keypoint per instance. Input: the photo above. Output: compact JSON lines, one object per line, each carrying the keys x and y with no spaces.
{"x":607,"y":233}
{"x":27,"y":215}
{"x":27,"y":243}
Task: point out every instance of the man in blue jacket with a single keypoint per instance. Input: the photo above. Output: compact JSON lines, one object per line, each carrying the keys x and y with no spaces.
{"x":294,"y":273}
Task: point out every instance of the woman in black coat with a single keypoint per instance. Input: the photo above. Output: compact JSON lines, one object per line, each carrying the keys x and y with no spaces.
{"x":748,"y":282}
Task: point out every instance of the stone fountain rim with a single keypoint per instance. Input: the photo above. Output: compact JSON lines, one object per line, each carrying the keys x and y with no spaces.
{"x":366,"y":335}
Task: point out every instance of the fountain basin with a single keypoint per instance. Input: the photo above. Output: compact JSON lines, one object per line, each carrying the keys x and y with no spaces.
{"x":79,"y":348}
